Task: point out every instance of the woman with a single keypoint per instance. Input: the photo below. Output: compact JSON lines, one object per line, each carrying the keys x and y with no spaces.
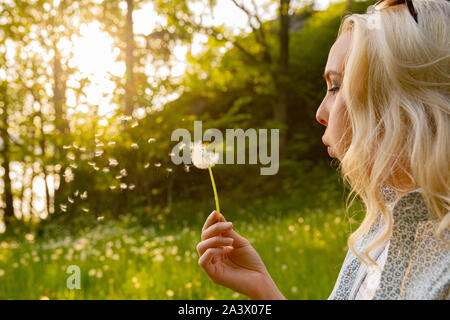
{"x":386,"y":115}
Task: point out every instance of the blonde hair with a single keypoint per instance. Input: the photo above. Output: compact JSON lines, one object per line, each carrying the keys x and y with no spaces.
{"x":396,"y":87}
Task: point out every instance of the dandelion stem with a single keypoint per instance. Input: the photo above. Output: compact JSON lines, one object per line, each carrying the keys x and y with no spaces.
{"x":215,"y":192}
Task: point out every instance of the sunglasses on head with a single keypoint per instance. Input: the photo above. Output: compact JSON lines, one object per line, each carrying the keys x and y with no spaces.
{"x":389,"y":3}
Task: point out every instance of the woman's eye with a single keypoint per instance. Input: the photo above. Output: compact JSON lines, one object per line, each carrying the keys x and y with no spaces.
{"x":334,"y":89}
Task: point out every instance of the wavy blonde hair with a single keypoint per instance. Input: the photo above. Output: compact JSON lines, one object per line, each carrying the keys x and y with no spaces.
{"x":396,"y":87}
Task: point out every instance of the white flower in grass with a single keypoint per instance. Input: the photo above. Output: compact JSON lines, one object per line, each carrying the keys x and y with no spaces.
{"x":201,"y":157}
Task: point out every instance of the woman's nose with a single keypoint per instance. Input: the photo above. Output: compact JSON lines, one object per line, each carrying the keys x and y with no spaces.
{"x":321,"y":116}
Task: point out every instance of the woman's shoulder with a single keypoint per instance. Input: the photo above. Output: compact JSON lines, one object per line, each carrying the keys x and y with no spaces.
{"x":417,"y":265}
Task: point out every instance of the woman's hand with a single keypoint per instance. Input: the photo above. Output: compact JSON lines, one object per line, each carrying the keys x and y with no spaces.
{"x":229,"y":260}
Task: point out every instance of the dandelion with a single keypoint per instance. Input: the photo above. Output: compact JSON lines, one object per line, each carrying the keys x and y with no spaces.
{"x":169,"y":293}
{"x":113,"y":162}
{"x":29,"y":237}
{"x":204,"y":159}
{"x":98,"y":153}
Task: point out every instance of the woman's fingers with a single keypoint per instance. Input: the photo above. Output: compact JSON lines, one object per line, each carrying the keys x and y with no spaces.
{"x":213,"y":243}
{"x":207,"y":256}
{"x":212,"y":218}
{"x":216,"y":229}
{"x":239,"y":241}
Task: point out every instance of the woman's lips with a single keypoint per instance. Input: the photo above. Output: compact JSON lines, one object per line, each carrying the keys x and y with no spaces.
{"x":330,"y":152}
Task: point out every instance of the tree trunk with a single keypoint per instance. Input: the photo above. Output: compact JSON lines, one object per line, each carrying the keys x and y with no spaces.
{"x":59,"y":93}
{"x":348,"y":5}
{"x":129,"y":85}
{"x":8,"y":196}
{"x":280,"y":112}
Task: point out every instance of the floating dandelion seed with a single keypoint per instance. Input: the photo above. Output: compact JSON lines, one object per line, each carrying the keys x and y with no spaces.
{"x":186,"y":168}
{"x":131,"y":187}
{"x":169,"y":169}
{"x":63,"y":207}
{"x":74,"y":165}
{"x":118,"y":177}
{"x":75,"y":145}
{"x":71,"y":156}
{"x":105,"y":170}
{"x":113,"y":162}
{"x":83,"y":149}
{"x":157,"y":164}
{"x":91,"y":163}
{"x":134,"y":146}
{"x":98,"y":145}
{"x":67,"y":147}
{"x":76,"y":193}
{"x":84,"y":195}
{"x":85,"y":210}
{"x":111,"y":143}
{"x":147,"y":165}
{"x":205,"y":159}
{"x":96,"y":168}
{"x":123,"y":186}
{"x":151,"y":140}
{"x":135,"y":124}
{"x":123,"y":172}
{"x":112,"y":187}
{"x":98,"y":153}
{"x":70,"y":200}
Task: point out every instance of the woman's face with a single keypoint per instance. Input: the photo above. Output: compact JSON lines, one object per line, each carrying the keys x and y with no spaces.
{"x":332,"y":110}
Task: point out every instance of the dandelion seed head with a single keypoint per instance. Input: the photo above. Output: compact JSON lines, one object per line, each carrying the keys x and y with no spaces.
{"x":201,"y":157}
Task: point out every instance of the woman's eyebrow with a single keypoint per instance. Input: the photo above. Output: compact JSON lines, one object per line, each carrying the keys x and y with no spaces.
{"x":327,"y":74}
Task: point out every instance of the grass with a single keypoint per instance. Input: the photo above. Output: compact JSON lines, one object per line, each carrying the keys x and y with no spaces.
{"x":135,"y":258}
